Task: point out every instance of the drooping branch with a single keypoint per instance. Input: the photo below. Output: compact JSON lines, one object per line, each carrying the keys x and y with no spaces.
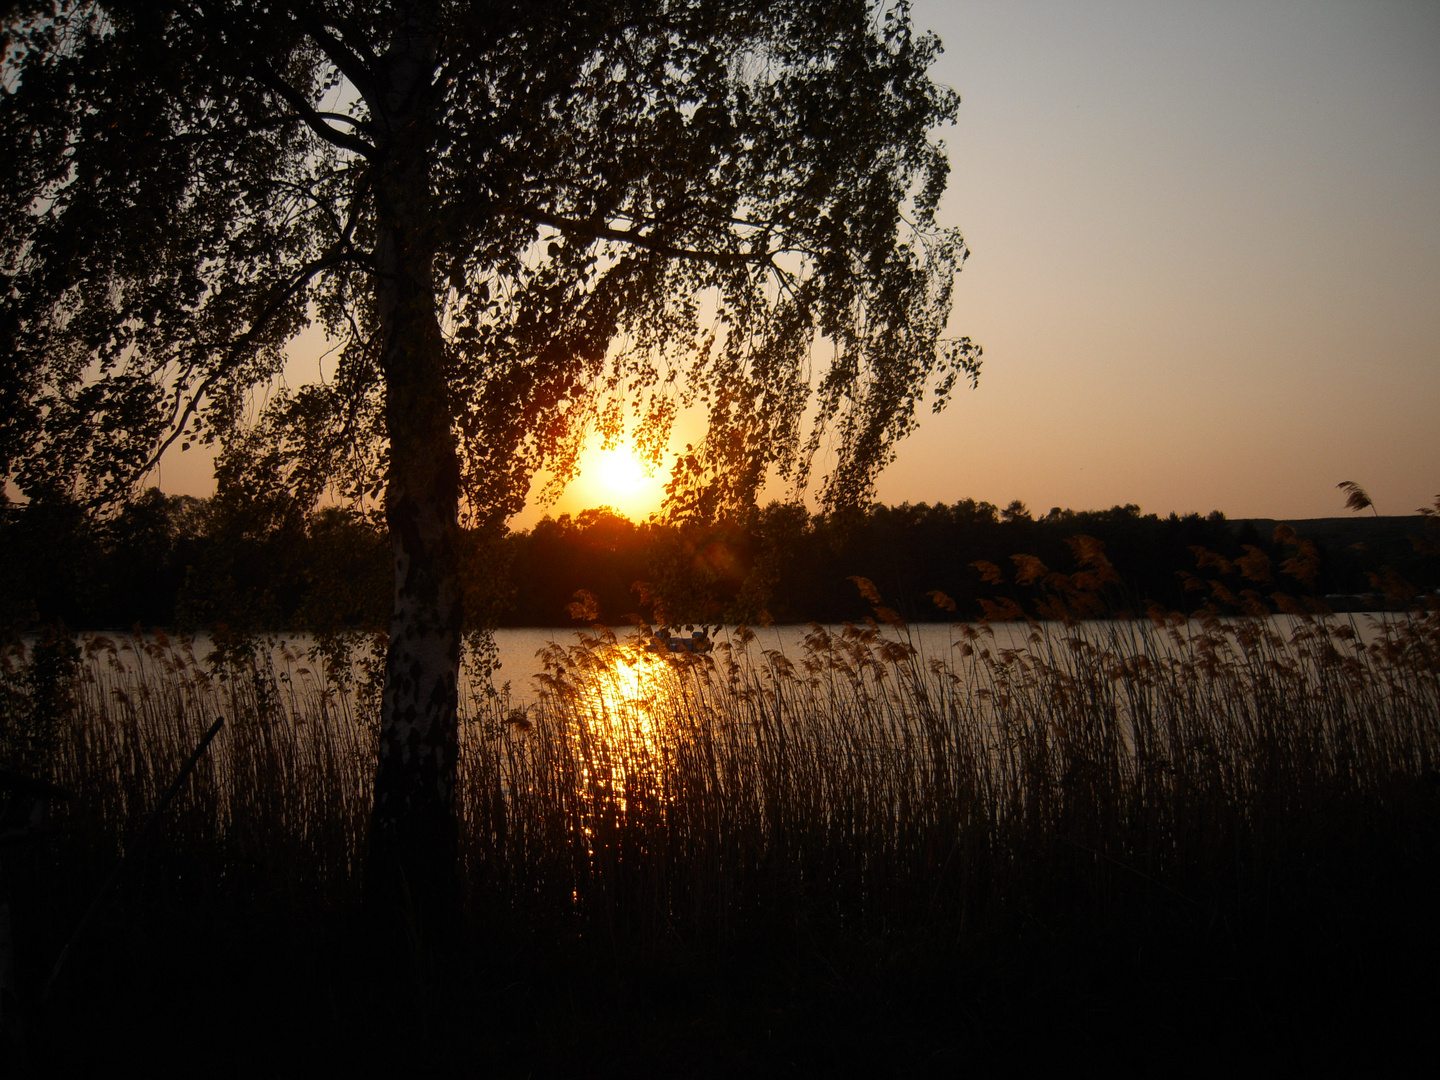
{"x":351,"y":66}
{"x":598,"y":231}
{"x":302,"y":278}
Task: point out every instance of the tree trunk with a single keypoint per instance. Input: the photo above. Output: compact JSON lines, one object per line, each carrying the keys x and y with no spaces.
{"x":411,"y":866}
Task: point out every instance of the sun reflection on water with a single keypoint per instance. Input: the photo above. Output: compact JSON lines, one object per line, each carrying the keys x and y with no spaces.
{"x":626,"y":694}
{"x":620,"y":698}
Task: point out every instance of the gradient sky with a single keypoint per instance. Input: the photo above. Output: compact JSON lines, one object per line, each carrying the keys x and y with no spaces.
{"x":1206,"y":256}
{"x":1205,"y":259}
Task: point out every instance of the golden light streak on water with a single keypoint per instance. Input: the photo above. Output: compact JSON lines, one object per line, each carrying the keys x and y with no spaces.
{"x":628,"y":693}
{"x":623,"y":694}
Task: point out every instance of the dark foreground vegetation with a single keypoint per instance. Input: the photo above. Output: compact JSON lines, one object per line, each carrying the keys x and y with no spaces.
{"x":1158,"y":843}
{"x":257,"y":561}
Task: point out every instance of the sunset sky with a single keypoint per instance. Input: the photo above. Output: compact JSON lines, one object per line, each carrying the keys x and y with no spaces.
{"x":1205,"y":259}
{"x":1206,"y":266}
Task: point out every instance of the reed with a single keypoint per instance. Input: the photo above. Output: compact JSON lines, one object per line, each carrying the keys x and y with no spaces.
{"x":860,"y":786}
{"x":876,"y":789}
{"x":1190,"y":789}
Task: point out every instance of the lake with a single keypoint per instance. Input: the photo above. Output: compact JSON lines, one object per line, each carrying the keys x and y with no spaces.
{"x":520,"y":662}
{"x":518,"y":647}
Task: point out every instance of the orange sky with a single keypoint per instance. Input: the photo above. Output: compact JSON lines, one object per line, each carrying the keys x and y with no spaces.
{"x":1206,"y":259}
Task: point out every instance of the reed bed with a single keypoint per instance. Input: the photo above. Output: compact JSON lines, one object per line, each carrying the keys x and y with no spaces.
{"x":276,"y":807}
{"x":858,"y":855}
{"x":859,"y":788}
{"x":872,"y":789}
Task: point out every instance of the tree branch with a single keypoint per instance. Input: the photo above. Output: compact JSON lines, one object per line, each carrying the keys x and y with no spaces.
{"x":342,"y":118}
{"x":353,"y":67}
{"x":299,"y":281}
{"x":313,"y":119}
{"x":598,"y":231}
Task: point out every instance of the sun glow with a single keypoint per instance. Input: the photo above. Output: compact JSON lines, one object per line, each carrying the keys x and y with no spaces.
{"x":618,"y":479}
{"x":631,"y":688}
{"x":620,"y":472}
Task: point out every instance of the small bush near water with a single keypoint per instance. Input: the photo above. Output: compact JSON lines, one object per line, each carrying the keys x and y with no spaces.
{"x":1095,"y":841}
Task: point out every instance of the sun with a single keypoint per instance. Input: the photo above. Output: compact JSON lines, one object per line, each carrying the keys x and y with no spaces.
{"x":619,"y":472}
{"x":616,"y":478}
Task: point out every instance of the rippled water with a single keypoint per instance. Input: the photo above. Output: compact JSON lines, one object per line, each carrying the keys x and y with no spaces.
{"x":520,"y":662}
{"x":520,"y":648}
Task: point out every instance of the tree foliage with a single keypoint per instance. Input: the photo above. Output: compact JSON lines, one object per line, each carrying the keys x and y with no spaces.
{"x":174,"y":562}
{"x":626,"y":210}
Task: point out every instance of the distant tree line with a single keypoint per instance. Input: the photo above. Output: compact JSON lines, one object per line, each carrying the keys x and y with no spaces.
{"x":259,"y":563}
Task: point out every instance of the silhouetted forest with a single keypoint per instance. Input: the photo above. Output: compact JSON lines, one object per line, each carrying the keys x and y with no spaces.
{"x":256,"y":564}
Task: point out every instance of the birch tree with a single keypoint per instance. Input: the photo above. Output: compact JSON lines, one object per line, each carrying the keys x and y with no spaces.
{"x":522,"y":225}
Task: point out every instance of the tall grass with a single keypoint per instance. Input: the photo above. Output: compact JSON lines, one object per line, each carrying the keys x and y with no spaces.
{"x":275,"y":811}
{"x":875,"y":789}
{"x":859,"y":788}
